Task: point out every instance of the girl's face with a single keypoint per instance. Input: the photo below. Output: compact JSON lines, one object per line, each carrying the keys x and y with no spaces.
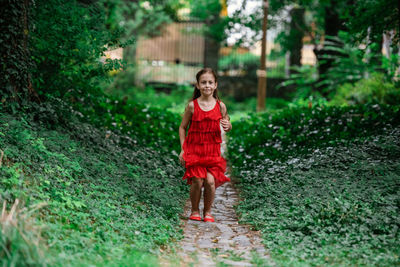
{"x":207,"y":84}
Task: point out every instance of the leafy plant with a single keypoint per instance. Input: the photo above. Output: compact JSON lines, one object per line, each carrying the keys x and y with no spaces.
{"x":247,"y":63}
{"x":353,"y":64}
{"x":372,"y":90}
{"x":304,"y":78}
{"x":299,"y":130}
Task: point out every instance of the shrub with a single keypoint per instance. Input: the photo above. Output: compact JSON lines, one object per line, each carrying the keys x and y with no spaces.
{"x":372,"y":90}
{"x":244,"y":62}
{"x":299,"y":130}
{"x":145,"y":125}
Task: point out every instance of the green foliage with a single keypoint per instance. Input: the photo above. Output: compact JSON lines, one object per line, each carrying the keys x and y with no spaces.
{"x":353,"y":64}
{"x":238,"y":110}
{"x":144,"y":124}
{"x":304,"y":78}
{"x":67,"y":42}
{"x":245,"y":27}
{"x":373,"y":90}
{"x":337,"y":206}
{"x":322,"y":183}
{"x":244,"y":62}
{"x":300,"y":130}
{"x":372,"y":18}
{"x":175,"y":101}
{"x":350,"y":65}
{"x":208,"y":11}
{"x":15,"y":63}
{"x":58,"y":50}
{"x":107,"y":196}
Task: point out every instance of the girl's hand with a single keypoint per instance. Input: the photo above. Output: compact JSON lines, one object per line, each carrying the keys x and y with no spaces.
{"x":226,"y":125}
{"x":181,"y":160}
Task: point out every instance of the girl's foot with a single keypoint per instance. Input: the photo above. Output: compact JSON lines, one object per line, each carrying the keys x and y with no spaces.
{"x":209,"y":218}
{"x":195,"y":216}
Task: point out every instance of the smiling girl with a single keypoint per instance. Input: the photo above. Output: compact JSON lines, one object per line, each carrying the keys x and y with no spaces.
{"x":201,"y":148}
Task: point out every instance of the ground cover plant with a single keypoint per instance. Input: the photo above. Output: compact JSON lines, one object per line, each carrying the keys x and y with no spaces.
{"x":322,"y":197}
{"x":299,"y":130}
{"x":110,"y":199}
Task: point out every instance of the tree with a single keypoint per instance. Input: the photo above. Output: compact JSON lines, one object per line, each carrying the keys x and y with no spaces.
{"x":214,"y":32}
{"x":296,"y":34}
{"x":141,"y":19}
{"x":369,"y":19}
{"x":16,"y":84}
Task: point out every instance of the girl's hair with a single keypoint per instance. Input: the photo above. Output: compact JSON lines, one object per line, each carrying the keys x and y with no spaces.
{"x":196,"y":92}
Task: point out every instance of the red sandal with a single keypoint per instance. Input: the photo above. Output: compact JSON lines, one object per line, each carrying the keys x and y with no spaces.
{"x":209,"y":218}
{"x":195,"y":217}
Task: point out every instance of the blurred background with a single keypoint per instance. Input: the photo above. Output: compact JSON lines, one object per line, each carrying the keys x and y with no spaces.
{"x":341,"y":52}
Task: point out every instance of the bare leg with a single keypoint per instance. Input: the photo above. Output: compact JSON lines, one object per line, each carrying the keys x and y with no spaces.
{"x":195,"y":193}
{"x":209,"y":193}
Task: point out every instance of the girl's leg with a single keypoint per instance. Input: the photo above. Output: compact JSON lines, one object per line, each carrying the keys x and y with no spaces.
{"x":209,"y":193}
{"x":195,"y":193}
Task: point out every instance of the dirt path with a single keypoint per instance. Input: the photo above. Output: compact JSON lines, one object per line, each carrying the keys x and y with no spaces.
{"x":225,"y":242}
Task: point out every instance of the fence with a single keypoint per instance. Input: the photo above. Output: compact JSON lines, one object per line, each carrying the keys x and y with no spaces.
{"x":173,"y":57}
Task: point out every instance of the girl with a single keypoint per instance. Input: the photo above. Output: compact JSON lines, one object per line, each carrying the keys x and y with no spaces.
{"x":200,"y":149}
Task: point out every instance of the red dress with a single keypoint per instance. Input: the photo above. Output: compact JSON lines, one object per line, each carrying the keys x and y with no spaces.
{"x":202,"y":146}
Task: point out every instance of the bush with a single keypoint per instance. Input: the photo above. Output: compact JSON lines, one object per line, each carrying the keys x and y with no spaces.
{"x":373,"y":90}
{"x":299,"y":130}
{"x":304,"y":78}
{"x":175,"y":101}
{"x":244,"y":62}
{"x":145,"y":125}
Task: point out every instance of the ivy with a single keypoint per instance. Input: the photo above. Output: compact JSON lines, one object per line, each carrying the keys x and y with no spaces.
{"x":14,"y":42}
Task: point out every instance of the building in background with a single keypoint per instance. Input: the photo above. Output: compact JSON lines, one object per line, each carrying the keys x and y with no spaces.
{"x":173,"y":57}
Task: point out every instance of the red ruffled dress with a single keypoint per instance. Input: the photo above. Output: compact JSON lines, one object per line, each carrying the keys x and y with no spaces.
{"x":202,"y":146}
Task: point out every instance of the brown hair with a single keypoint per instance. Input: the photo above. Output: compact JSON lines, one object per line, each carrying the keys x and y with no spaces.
{"x":196,"y":92}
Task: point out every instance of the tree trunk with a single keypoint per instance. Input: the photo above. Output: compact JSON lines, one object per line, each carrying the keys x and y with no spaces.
{"x":211,"y":53}
{"x":333,"y":24}
{"x":211,"y":42}
{"x":297,"y":27}
{"x":15,"y":81}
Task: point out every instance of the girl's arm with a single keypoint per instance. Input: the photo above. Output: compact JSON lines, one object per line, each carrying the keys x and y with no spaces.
{"x":226,"y":124}
{"x":182,"y":128}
